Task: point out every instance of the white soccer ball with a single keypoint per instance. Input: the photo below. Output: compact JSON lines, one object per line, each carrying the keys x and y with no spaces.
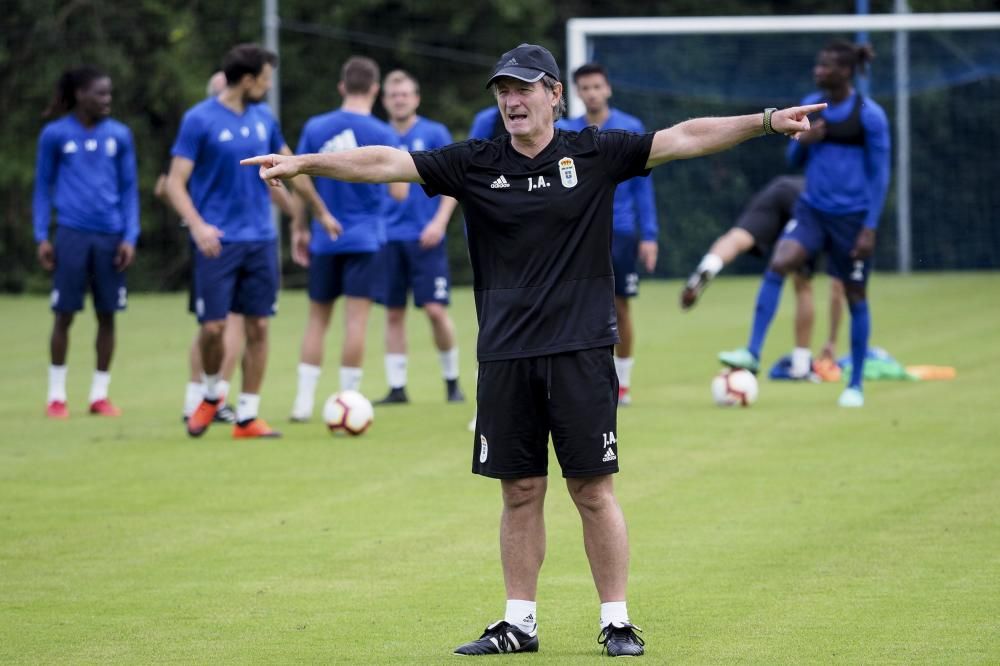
{"x":733,"y":387}
{"x":349,"y":412}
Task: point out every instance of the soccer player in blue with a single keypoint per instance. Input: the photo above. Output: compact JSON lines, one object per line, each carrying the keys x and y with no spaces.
{"x":635,"y":226}
{"x":487,"y":124}
{"x":228,"y":215}
{"x":85,"y":171}
{"x":846,"y":155}
{"x":346,"y":266}
{"x":414,"y":256}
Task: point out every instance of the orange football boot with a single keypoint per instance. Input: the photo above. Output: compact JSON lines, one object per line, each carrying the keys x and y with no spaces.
{"x":57,"y":410}
{"x":103,"y":407}
{"x":202,"y":417}
{"x":255,"y":429}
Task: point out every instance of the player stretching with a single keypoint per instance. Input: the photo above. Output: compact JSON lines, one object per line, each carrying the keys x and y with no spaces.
{"x":846,"y":157}
{"x":228,"y":215}
{"x":345,"y":266}
{"x":415,"y":256}
{"x":756,"y":231}
{"x":538,"y":205}
{"x":635,"y":229}
{"x":86,"y":171}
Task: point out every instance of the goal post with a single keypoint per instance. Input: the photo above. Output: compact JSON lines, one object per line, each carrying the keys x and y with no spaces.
{"x":713,"y":58}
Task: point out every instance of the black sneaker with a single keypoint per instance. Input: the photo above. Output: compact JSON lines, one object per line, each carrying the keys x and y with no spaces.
{"x":693,"y":288}
{"x":396,"y":396}
{"x":454,"y":393}
{"x":499,"y":638}
{"x":620,"y":640}
{"x":225,"y":414}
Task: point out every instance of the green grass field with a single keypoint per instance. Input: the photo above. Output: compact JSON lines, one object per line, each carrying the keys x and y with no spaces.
{"x":789,"y":533}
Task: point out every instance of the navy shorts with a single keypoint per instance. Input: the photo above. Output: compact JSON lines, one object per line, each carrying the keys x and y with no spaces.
{"x":817,"y":231}
{"x":404,"y":265}
{"x":350,"y":274}
{"x":625,"y":260}
{"x":520,"y":402}
{"x":86,"y":259}
{"x":242,"y":279}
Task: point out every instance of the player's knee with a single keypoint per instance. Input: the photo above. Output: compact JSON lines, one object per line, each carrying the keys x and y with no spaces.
{"x":591,"y":494}
{"x":782,"y":266}
{"x":436,"y":311}
{"x":63,"y":321}
{"x":395,"y":316}
{"x":518,"y":493}
{"x":855,"y":293}
{"x":213,"y":329}
{"x":256,"y":329}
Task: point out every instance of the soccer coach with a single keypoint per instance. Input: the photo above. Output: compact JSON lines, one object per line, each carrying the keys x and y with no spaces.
{"x":538,"y":207}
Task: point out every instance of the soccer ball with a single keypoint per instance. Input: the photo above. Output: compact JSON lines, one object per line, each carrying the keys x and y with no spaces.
{"x":348,"y":411}
{"x":734,"y":386}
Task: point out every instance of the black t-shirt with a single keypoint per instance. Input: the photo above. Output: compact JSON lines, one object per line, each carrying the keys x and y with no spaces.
{"x":539,"y":235}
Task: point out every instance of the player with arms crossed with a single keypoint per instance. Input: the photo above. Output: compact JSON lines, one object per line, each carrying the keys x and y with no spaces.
{"x":756,"y":231}
{"x":415,"y":255}
{"x":86,"y":171}
{"x":346,"y":265}
{"x":846,"y":157}
{"x":538,"y":205}
{"x":635,"y":227}
{"x":228,"y":215}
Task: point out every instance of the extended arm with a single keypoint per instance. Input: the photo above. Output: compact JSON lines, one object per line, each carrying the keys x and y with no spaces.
{"x":205,"y":236}
{"x":45,"y":180}
{"x":877,"y":161}
{"x":704,"y":136}
{"x":371,"y":164}
{"x":128,"y":185}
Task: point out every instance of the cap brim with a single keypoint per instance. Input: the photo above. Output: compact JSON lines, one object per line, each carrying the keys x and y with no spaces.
{"x":521,"y":73}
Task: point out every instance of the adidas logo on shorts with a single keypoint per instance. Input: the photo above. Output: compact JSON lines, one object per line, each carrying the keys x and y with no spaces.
{"x":609,"y":455}
{"x":499,"y":184}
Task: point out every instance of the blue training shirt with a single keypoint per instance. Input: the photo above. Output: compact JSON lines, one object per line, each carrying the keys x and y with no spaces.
{"x":406,"y":219}
{"x":227,"y":195}
{"x":89,"y":176}
{"x":634,"y":201}
{"x":843,"y":179}
{"x":484,"y":122}
{"x":359,"y":207}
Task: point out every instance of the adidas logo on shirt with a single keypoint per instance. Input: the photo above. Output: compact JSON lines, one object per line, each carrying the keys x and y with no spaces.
{"x":609,"y":455}
{"x":499,"y":184}
{"x":225,"y":135}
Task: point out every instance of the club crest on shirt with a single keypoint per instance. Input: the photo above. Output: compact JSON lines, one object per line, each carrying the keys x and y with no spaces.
{"x":567,"y":172}
{"x":110,"y":146}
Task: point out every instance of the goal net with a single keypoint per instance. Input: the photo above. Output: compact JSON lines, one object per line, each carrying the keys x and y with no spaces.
{"x":936,"y":75}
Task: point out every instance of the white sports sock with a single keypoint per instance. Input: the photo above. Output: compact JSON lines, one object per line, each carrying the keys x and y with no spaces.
{"x":306,"y":393}
{"x":99,"y":386}
{"x":623,"y":366}
{"x":801,"y":362}
{"x":449,"y":363}
{"x":222,"y":388}
{"x":395,"y":370}
{"x":193,"y":393}
{"x":246,"y":408}
{"x":211,"y":386}
{"x":522,"y":614}
{"x":711,"y":264}
{"x":350,"y":379}
{"x":57,"y":383}
{"x":614,"y":611}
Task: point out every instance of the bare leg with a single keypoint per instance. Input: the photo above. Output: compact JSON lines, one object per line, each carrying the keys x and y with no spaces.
{"x":235,"y":339}
{"x":59,"y":341}
{"x":731,"y":244}
{"x":395,"y":330}
{"x":194,"y":358}
{"x":604,"y":534}
{"x":316,"y":325}
{"x":355,"y":324}
{"x":255,"y":356}
{"x":105,"y":343}
{"x":210,"y":339}
{"x":804,"y":311}
{"x":522,"y":535}
{"x":624,"y":348}
{"x":441,"y":326}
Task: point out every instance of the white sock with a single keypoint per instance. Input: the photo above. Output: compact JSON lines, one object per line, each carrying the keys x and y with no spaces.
{"x":57,"y":383}
{"x":395,"y":370}
{"x":350,"y":379}
{"x":246,"y":408}
{"x":711,"y":264}
{"x":522,"y":614}
{"x":222,"y":388}
{"x":801,"y":361}
{"x":193,"y":393}
{"x":211,"y":386}
{"x":614,"y":611}
{"x":623,"y":366}
{"x":306,"y":394}
{"x":449,"y":363}
{"x":99,"y":386}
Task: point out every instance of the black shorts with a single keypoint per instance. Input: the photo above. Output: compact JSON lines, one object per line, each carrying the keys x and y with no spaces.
{"x":572,"y":396}
{"x":769,"y":211}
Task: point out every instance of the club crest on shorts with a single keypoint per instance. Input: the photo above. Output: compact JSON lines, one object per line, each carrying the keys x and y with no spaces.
{"x":484,"y":448}
{"x":567,"y":172}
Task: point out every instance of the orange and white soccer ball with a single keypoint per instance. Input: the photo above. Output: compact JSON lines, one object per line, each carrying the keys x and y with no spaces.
{"x":733,"y":387}
{"x":348,"y":412}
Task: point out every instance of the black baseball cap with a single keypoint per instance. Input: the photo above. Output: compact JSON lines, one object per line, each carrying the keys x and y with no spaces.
{"x":527,"y":62}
